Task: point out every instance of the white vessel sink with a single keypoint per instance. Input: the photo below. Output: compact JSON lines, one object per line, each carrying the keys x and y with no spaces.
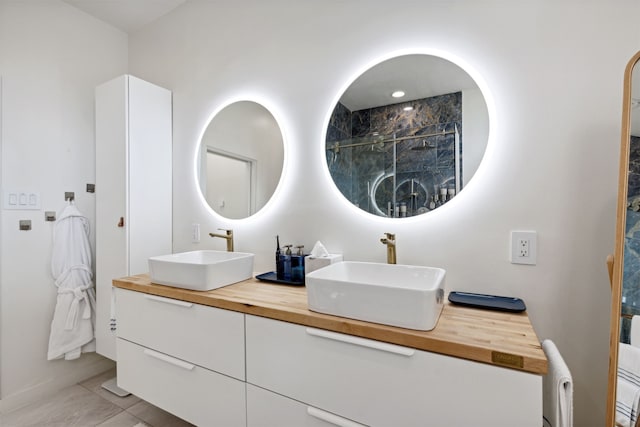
{"x":398,"y":295}
{"x":201,"y":270}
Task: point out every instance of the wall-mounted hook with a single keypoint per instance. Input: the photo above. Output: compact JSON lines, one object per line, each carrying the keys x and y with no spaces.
{"x":91,"y":188}
{"x":49,"y":216}
{"x":25,"y":224}
{"x":69,"y":196}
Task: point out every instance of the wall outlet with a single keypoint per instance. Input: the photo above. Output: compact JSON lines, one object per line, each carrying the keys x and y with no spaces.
{"x":524,"y":246}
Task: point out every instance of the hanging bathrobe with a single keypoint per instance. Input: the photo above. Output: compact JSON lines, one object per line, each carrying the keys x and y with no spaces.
{"x":72,"y":327}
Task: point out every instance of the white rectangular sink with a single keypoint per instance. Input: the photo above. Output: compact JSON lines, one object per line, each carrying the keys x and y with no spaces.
{"x":201,"y":270}
{"x":398,"y":295}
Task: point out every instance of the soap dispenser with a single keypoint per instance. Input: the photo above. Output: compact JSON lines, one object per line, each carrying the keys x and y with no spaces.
{"x":287,"y":263}
{"x":297,"y":265}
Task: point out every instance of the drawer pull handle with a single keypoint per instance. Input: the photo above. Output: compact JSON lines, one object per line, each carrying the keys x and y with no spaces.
{"x":169,"y":301}
{"x":362,"y":342}
{"x":331,"y":418}
{"x":176,"y":362}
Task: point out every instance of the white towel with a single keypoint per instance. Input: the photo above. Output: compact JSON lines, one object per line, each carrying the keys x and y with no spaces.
{"x":72,"y":327}
{"x":557,"y":389}
{"x":628,"y":385}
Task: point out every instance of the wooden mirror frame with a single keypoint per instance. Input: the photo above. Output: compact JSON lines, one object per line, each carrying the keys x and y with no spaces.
{"x":615,"y":264}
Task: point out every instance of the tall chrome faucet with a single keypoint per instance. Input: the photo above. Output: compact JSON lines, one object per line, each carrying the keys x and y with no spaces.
{"x":390,"y":241}
{"x":228,"y":236}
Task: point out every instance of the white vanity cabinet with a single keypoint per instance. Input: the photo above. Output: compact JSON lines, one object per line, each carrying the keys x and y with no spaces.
{"x":268,"y":409}
{"x":251,"y":354}
{"x":185,"y":358}
{"x":379,"y":384}
{"x":133,"y":187}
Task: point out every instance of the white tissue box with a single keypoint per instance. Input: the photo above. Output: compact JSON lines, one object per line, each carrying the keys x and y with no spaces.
{"x":312,"y":263}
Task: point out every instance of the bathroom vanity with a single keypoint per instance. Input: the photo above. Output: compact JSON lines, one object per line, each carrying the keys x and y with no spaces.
{"x":252,"y":354}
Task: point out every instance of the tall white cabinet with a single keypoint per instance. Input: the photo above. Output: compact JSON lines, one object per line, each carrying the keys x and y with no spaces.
{"x":133,"y":188}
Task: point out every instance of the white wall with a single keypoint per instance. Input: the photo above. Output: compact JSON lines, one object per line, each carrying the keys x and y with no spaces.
{"x":475,"y":129}
{"x":555,"y":70}
{"x":51,"y":58}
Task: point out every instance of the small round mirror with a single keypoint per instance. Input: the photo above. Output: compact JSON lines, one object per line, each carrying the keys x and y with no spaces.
{"x":240,"y":159}
{"x":407,"y":135}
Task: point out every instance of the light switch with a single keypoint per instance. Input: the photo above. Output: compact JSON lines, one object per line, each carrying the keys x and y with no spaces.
{"x":22,"y":200}
{"x":195,"y":233}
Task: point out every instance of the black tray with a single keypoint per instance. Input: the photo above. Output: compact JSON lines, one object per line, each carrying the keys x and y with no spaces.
{"x":492,"y":302}
{"x":272,"y":277}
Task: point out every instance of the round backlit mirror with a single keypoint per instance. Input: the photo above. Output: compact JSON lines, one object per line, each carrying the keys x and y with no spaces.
{"x":407,"y":136}
{"x":240,"y":159}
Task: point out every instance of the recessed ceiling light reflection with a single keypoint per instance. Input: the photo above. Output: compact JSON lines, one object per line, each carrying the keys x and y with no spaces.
{"x":408,"y":108}
{"x":398,"y":94}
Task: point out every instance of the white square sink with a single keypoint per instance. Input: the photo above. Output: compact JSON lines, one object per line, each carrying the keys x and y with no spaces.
{"x":201,"y":270}
{"x":406,"y":296}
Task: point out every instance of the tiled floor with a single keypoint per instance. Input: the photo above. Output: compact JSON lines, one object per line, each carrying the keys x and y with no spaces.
{"x":89,"y":405}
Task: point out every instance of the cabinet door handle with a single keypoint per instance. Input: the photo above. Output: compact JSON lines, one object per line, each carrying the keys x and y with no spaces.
{"x":173,"y":361}
{"x":362,"y":342}
{"x":331,"y":418}
{"x":169,"y":301}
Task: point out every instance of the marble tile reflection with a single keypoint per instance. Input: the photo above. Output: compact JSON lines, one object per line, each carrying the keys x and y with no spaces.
{"x":631,"y":264}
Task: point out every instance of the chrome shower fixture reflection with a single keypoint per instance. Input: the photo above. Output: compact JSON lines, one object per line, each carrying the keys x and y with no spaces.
{"x":424,"y":146}
{"x":398,"y":170}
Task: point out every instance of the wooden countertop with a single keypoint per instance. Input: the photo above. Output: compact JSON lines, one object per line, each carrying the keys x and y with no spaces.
{"x":497,"y":338}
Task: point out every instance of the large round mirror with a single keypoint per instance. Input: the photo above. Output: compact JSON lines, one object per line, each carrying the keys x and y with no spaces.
{"x":240,"y":159}
{"x":407,"y":135}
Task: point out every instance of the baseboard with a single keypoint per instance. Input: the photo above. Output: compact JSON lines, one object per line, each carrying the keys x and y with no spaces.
{"x":48,"y":388}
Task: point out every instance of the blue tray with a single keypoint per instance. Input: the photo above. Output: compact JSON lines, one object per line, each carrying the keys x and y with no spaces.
{"x":272,"y":277}
{"x":491,"y":302}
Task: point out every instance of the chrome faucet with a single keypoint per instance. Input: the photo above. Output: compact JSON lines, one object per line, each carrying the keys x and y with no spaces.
{"x":228,"y":236}
{"x":390,"y":241}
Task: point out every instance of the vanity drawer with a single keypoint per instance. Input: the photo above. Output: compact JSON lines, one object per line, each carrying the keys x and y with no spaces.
{"x":195,"y":394}
{"x":267,"y":409}
{"x":205,"y":336}
{"x":381,"y":384}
